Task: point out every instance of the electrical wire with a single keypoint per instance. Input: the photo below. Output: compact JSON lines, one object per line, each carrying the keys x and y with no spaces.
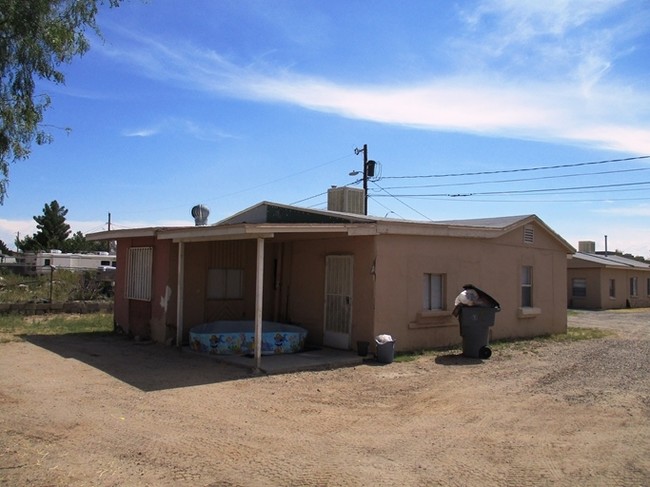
{"x":399,"y":200}
{"x":546,"y":200}
{"x":517,"y":180}
{"x":524,"y":191}
{"x":325,"y":192}
{"x":525,"y":169}
{"x":547,"y":191}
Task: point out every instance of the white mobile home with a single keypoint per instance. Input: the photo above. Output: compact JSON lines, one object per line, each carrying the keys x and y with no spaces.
{"x":42,"y":262}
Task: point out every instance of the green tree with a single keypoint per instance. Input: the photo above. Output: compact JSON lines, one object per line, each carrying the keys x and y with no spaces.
{"x":36,"y":38}
{"x":4,"y":249}
{"x":54,"y":233}
{"x":78,"y":244}
{"x":53,"y":230}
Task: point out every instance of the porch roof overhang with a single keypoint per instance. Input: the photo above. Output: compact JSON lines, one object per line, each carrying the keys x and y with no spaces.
{"x":263,"y":230}
{"x":270,"y":230}
{"x":124,"y":233}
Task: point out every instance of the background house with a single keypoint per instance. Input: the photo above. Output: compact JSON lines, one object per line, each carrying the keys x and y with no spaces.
{"x":606,"y":280}
{"x":343,"y":276}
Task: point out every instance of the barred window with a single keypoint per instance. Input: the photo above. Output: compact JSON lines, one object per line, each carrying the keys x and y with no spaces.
{"x":139,"y":272}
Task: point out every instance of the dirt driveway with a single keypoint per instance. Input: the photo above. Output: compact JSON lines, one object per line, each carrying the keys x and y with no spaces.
{"x":108,"y":412}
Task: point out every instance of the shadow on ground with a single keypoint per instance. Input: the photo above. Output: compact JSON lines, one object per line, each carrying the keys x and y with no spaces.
{"x":457,"y":359}
{"x":145,"y":366}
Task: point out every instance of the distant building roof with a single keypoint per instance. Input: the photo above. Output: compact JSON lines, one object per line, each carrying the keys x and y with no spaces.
{"x":611,"y":260}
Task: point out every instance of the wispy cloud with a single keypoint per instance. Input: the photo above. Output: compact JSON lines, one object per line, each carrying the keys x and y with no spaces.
{"x":564,"y":96}
{"x":175,"y":125}
{"x":141,"y":132}
{"x":565,"y":38}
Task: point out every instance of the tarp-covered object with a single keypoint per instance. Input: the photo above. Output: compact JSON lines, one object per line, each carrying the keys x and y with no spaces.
{"x":473,"y":296}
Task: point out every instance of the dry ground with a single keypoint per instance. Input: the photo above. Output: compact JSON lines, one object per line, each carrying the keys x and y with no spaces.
{"x":109,"y":412}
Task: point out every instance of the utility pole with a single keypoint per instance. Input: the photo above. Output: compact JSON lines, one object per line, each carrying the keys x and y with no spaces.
{"x":368,"y":171}
{"x":365,"y":179}
{"x":109,"y":221}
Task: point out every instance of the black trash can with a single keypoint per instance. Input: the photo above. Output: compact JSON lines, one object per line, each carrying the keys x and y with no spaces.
{"x":475,"y":322}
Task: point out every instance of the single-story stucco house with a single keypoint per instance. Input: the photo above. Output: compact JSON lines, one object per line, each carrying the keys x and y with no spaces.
{"x":345,"y":277}
{"x":601,"y":280}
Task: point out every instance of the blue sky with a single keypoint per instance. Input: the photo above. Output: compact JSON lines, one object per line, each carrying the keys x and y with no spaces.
{"x":229,"y":103}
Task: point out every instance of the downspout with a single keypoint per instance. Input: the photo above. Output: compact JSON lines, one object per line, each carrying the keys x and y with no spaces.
{"x":179,"y":295}
{"x":259,"y":294}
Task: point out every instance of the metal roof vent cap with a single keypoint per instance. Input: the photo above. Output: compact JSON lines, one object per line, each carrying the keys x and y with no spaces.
{"x":200,"y":214}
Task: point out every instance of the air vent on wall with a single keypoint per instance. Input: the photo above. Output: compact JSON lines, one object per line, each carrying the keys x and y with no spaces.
{"x":529,"y":234}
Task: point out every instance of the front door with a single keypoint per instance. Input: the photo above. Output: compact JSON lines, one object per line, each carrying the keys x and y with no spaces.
{"x":338,"y":301}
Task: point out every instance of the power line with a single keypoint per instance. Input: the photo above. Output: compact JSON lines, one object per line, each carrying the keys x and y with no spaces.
{"x":547,"y":191}
{"x":524,"y":169}
{"x":325,"y":192}
{"x":517,"y":180}
{"x":546,"y":200}
{"x":408,"y":206}
{"x":523,"y":191}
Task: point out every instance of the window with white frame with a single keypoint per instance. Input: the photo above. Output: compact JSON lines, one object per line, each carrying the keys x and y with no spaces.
{"x":634,"y":289}
{"x":579,"y":287}
{"x":527,"y":287}
{"x":433,"y":296}
{"x":139,"y":272}
{"x":225,"y":283}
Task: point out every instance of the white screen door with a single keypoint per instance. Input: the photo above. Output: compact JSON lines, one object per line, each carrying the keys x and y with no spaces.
{"x":338,"y":301}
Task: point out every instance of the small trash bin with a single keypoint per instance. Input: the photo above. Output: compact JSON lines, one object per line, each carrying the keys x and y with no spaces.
{"x":476,"y":314}
{"x":385,"y":349}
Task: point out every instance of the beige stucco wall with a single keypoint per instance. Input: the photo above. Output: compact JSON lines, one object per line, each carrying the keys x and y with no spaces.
{"x":387,"y":289}
{"x":491,"y":264}
{"x":598,"y":286}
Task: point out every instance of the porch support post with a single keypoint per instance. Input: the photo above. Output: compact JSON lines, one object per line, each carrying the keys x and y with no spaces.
{"x":259,"y":294}
{"x":179,"y":295}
